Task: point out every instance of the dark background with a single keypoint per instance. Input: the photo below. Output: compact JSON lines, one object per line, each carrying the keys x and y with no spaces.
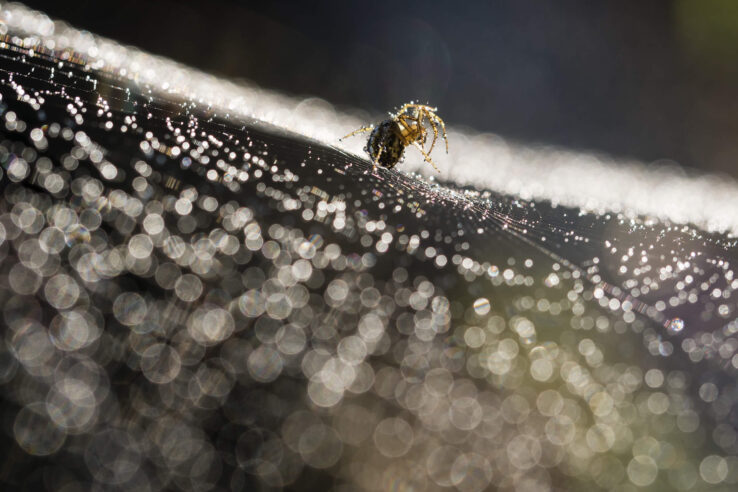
{"x":654,"y":79}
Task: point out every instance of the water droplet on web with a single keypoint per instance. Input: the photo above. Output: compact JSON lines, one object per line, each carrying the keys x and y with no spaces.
{"x":481,"y":306}
{"x":675,"y":326}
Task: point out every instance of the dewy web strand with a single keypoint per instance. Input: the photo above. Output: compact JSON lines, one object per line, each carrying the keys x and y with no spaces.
{"x":566,"y":177}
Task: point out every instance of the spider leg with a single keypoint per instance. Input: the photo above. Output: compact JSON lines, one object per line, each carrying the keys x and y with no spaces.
{"x":423,"y":133}
{"x":360,"y":130}
{"x":403,"y":120}
{"x":430,"y":113}
{"x":432,"y":122}
{"x":376,"y":160}
{"x":443,"y":128}
{"x":427,"y":157}
{"x":419,"y":107}
{"x":403,"y":109}
{"x":419,"y":119}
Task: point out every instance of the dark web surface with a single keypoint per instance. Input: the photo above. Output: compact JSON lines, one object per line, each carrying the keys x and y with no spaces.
{"x":196,"y":301}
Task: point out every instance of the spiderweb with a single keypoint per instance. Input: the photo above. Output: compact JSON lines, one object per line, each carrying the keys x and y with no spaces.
{"x":196,"y":299}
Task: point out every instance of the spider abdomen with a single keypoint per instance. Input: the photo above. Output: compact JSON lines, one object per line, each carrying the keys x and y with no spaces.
{"x":387,"y":138}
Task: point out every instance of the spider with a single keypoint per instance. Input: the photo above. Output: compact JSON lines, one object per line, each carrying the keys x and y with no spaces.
{"x":388,"y":139}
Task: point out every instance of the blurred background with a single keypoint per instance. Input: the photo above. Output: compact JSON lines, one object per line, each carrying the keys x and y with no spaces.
{"x":654,"y":80}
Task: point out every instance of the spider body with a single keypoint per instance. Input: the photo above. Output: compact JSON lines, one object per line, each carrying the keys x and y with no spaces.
{"x":388,"y":139}
{"x":386,"y":144}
